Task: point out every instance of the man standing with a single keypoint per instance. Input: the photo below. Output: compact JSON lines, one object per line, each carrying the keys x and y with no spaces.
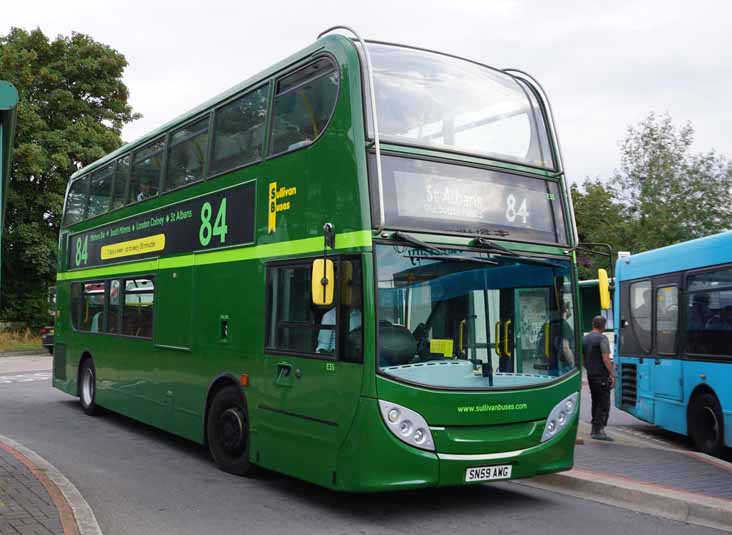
{"x":600,"y":376}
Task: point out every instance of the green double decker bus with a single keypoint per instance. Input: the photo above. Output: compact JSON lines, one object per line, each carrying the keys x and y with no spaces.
{"x":355,"y":268}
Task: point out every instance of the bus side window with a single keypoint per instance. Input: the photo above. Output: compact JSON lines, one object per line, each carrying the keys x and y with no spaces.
{"x":114,"y":307}
{"x":76,"y":202}
{"x":137,"y":314}
{"x":121,"y":174}
{"x":100,"y":190}
{"x":640,"y":313}
{"x":187,"y":155}
{"x":294,"y":323}
{"x":303,"y":104}
{"x":239,"y":131}
{"x":146,"y":168}
{"x":351,"y":310}
{"x":709,"y":313}
{"x":76,"y":304}
{"x":667,"y":315}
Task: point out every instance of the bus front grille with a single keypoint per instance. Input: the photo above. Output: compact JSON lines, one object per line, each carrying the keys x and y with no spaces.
{"x":629,"y":385}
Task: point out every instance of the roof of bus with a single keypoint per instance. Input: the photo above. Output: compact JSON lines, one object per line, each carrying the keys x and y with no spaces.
{"x":693,"y":254}
{"x":201,"y":108}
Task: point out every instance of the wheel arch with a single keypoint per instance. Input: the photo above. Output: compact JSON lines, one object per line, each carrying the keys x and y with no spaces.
{"x":220,"y":382}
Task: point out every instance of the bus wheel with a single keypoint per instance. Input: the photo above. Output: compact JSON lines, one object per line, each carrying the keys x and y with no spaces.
{"x":88,"y":387}
{"x":706,"y":427}
{"x":227,"y":430}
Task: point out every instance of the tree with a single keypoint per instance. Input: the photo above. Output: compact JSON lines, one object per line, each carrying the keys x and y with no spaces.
{"x":670,"y":194}
{"x":662,"y":194}
{"x":72,"y":107}
{"x":599,"y":216}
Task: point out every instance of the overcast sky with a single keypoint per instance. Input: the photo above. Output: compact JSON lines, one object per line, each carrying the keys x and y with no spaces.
{"x":604,"y":65}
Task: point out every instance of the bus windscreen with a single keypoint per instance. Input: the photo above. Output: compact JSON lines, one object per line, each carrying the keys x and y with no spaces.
{"x":434,"y":100}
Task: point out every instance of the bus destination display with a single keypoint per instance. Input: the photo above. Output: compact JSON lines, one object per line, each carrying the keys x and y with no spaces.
{"x":423,"y":195}
{"x":219,"y":219}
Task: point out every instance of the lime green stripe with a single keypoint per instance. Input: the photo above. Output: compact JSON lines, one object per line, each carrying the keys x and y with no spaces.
{"x":349,"y":240}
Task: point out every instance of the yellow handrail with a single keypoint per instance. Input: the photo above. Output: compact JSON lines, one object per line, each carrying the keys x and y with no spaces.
{"x":498,"y":338}
{"x":460,"y":336}
{"x":505,"y":339}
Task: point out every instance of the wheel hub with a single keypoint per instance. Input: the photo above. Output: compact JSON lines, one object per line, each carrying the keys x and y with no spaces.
{"x":231,"y":430}
{"x":87,"y":388}
{"x":710,"y":427}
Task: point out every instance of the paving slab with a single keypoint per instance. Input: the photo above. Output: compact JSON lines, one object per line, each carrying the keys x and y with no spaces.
{"x":25,"y":504}
{"x":36,"y":498}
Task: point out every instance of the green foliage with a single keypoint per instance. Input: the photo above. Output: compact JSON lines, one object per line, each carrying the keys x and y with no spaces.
{"x":72,"y":107}
{"x":662,"y":194}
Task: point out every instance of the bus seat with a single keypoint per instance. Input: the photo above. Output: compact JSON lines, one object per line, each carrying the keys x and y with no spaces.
{"x":396,"y":344}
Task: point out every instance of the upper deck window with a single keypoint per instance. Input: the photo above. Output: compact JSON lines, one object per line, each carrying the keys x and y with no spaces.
{"x":146,"y":168}
{"x":303,"y":104}
{"x":187,"y":154}
{"x":100,"y":190}
{"x":432,"y":100}
{"x":76,"y":201}
{"x":239,"y":131}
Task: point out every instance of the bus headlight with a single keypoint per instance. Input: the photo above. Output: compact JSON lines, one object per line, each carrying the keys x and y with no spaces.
{"x":560,"y":416}
{"x":407,"y":425}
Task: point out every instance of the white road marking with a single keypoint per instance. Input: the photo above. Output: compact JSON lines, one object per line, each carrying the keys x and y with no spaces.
{"x":25,"y":377}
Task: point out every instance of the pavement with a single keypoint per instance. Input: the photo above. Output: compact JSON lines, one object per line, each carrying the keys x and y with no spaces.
{"x":643,"y":471}
{"x":647,"y":469}
{"x":35,"y":497}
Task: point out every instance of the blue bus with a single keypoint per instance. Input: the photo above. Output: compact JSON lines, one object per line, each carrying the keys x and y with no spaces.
{"x":673,"y":339}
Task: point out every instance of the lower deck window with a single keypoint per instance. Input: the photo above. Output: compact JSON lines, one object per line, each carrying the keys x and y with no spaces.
{"x":137,"y":316}
{"x":114,"y":306}
{"x":87,"y":302}
{"x":295,"y":325}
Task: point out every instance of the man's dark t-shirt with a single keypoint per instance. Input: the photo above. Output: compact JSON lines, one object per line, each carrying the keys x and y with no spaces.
{"x":593,"y":346}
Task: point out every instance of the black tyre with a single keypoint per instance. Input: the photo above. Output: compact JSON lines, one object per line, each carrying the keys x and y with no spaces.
{"x":88,"y":387}
{"x":227,"y":431}
{"x":706,"y":426}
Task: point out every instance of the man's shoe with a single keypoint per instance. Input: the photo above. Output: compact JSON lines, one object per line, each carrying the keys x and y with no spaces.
{"x":601,"y":435}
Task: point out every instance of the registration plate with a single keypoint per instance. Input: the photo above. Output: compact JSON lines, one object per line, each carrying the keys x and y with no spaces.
{"x":488,"y":473}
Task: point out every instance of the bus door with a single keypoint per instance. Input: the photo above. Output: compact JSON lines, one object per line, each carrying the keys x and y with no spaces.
{"x":667,"y":366}
{"x":313,"y":370}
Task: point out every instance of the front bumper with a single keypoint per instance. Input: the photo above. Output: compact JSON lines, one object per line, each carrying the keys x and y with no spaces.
{"x":372,"y":459}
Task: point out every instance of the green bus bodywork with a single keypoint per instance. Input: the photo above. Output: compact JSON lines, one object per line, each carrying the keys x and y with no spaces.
{"x":8,"y":118}
{"x":322,"y":423}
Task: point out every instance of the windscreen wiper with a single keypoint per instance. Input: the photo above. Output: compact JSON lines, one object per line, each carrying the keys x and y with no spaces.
{"x":492,"y":246}
{"x":451,"y":258}
{"x":414,"y":242}
{"x":499,"y":251}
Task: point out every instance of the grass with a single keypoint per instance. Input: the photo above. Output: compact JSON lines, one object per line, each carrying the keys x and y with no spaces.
{"x":19,"y":341}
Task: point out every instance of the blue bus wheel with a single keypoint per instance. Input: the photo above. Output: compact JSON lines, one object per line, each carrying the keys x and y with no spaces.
{"x":706,"y":426}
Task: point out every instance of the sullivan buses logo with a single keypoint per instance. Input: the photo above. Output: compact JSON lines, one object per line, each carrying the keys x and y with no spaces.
{"x":277,"y":203}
